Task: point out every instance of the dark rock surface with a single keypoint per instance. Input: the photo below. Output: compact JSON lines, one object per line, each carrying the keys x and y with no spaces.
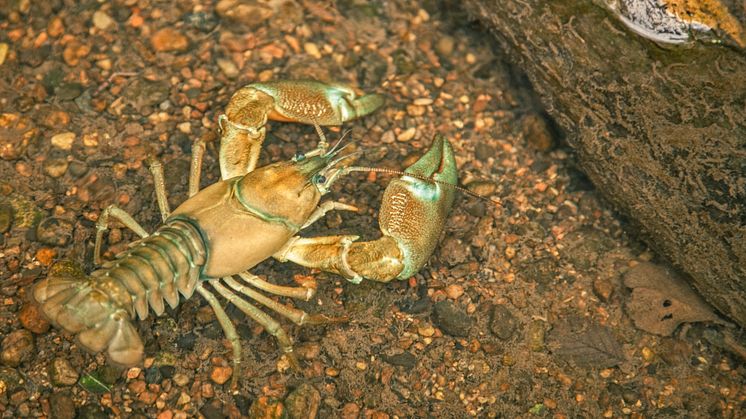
{"x":659,"y":131}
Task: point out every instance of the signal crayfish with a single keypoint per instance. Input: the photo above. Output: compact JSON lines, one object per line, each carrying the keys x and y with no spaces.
{"x":250,"y":215}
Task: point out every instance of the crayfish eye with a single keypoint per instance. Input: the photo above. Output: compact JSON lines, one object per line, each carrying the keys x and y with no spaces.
{"x":319,"y":179}
{"x":299,"y":156}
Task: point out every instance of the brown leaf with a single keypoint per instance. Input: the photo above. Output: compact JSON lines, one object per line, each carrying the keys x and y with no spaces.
{"x":661,"y":300}
{"x":593,"y":347}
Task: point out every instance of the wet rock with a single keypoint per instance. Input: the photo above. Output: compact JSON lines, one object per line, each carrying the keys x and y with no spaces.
{"x":62,"y":373}
{"x":55,"y":167}
{"x":3,"y":52}
{"x":169,"y":39}
{"x":220,"y":375}
{"x":32,"y":319}
{"x":19,"y":397}
{"x":445,"y":45}
{"x":77,"y":169}
{"x":454,"y":252}
{"x":303,"y":402}
{"x":167,"y":371}
{"x":404,"y":359}
{"x":211,"y":412}
{"x":69,"y":91}
{"x":228,"y":67}
{"x":266,"y":408}
{"x":153,"y":375}
{"x":603,"y":288}
{"x":451,"y":319}
{"x":10,"y":379}
{"x":92,"y":411}
{"x":61,"y":405}
{"x":203,"y":22}
{"x":16,"y":133}
{"x":142,"y":93}
{"x":502,"y":322}
{"x":6,"y":216}
{"x":181,"y":379}
{"x":102,"y":21}
{"x":350,"y":411}
{"x":63,"y":141}
{"x":54,"y":231}
{"x":248,"y":13}
{"x":536,"y":335}
{"x":17,"y":347}
{"x":537,"y":133}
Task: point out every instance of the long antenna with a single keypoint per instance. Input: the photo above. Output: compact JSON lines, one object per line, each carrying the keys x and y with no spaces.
{"x":420,"y":177}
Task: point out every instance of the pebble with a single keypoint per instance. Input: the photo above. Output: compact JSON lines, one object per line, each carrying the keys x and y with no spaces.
{"x":536,"y":335}
{"x":350,"y":411}
{"x":445,"y":45}
{"x":181,"y":379}
{"x":536,"y":132}
{"x":303,"y":402}
{"x":55,"y":167}
{"x":267,"y":408}
{"x":62,"y":373}
{"x":502,"y":323}
{"x":404,"y":359}
{"x":251,"y":14}
{"x":3,"y":52}
{"x":220,"y":375}
{"x":69,"y":91}
{"x":228,"y":67}
{"x":451,"y":319}
{"x":54,"y":231}
{"x":63,"y":141}
{"x":10,"y":380}
{"x":169,"y":39}
{"x":102,"y":21}
{"x":17,"y":347}
{"x":61,"y":405}
{"x":603,"y":288}
{"x":55,"y":27}
{"x":407,"y":134}
{"x":6,"y":216}
{"x":32,"y":319}
{"x":454,"y":291}
{"x":312,"y":50}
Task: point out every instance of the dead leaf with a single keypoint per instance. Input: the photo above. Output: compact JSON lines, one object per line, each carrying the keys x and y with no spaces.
{"x":661,"y":300}
{"x":593,"y":347}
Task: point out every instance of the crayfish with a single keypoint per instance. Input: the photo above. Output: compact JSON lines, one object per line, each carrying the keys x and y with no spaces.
{"x":224,"y":230}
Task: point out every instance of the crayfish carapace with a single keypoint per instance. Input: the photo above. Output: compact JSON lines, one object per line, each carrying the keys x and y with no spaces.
{"x":231,"y":226}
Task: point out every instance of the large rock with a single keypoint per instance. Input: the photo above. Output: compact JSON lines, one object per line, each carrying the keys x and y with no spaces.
{"x":661,"y":132}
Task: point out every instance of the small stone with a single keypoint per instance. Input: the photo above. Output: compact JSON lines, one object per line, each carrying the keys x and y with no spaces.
{"x":32,"y":319}
{"x":426,"y":331}
{"x":451,"y":319}
{"x":454,"y":291}
{"x":603,"y":288}
{"x":3,"y":52}
{"x":6,"y":216}
{"x":64,"y":141}
{"x":362,"y":366}
{"x":74,"y":52}
{"x":266,"y":408}
{"x":55,"y":27}
{"x":69,"y":91}
{"x":133,"y":373}
{"x":54,"y":231}
{"x":185,"y":127}
{"x":228,"y":67}
{"x":536,"y":132}
{"x":407,"y":134}
{"x":350,"y":411}
{"x":102,"y":21}
{"x":181,"y":379}
{"x":147,"y":397}
{"x":55,"y":119}
{"x":62,"y":406}
{"x":153,"y":375}
{"x":445,"y":45}
{"x":220,"y":375}
{"x":303,"y":402}
{"x":169,"y":39}
{"x":18,"y":346}
{"x":404,"y":359}
{"x":312,"y":50}
{"x":536,"y":334}
{"x":647,"y":354}
{"x":245,"y":13}
{"x":55,"y":167}
{"x":502,"y":322}
{"x":62,"y":373}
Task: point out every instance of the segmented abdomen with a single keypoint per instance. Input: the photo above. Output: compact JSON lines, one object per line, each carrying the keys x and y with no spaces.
{"x":99,"y":308}
{"x":159,"y":267}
